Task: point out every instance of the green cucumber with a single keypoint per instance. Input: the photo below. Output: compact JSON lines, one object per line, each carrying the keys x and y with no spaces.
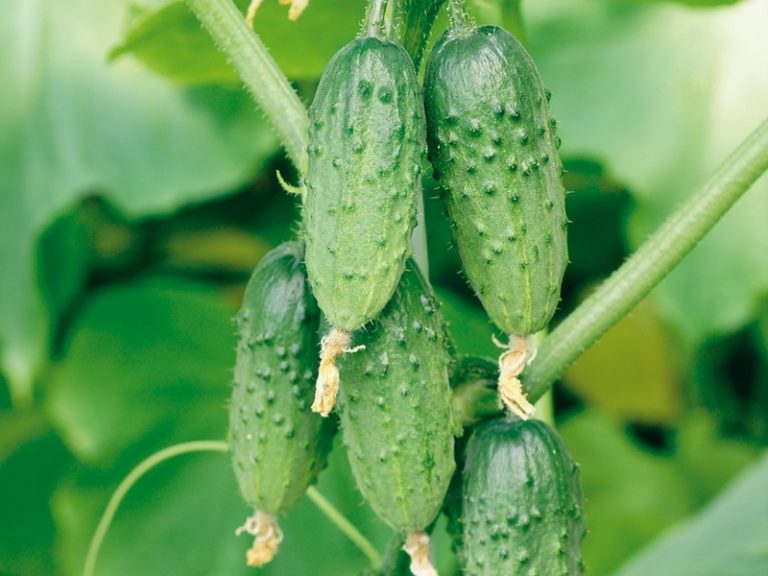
{"x":278,"y":445}
{"x":395,"y":410}
{"x":367,"y":144}
{"x":494,"y":151}
{"x":522,"y":510}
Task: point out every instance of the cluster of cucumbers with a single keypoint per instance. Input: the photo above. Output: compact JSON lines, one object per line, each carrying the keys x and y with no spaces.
{"x":348,"y":289}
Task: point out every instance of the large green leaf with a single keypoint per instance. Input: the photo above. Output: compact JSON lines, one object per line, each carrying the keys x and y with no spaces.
{"x":71,"y":125}
{"x":301,"y":48}
{"x":146,"y":364}
{"x":634,"y":89}
{"x":729,"y":538}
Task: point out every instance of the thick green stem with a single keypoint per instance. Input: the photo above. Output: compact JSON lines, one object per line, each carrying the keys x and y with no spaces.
{"x":260,"y":73}
{"x":649,"y":265}
{"x":414,"y":20}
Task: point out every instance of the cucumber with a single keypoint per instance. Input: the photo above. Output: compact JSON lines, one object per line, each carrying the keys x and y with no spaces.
{"x":367,"y":143}
{"x":494,"y":151}
{"x":278,"y":446}
{"x":396,"y":414}
{"x":522,"y":509}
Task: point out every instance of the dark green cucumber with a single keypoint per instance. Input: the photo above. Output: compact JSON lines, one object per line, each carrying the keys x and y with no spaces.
{"x":395,"y":409}
{"x":522,"y":510}
{"x":367,"y":144}
{"x":494,"y":150}
{"x":278,"y":445}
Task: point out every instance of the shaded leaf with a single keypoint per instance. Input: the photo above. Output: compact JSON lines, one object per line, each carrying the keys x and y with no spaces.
{"x":71,"y":125}
{"x":31,"y":462}
{"x":301,"y":48}
{"x":630,"y":495}
{"x":728,"y":538}
{"x":630,"y":87}
{"x":149,"y":361}
{"x":468,"y":326}
{"x":181,"y":519}
{"x":708,"y":460}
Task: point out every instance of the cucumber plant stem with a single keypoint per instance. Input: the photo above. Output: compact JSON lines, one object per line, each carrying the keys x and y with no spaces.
{"x":260,"y":73}
{"x":649,"y":265}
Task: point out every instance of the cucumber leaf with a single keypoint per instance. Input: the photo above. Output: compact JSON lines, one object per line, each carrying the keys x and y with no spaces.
{"x":728,"y":538}
{"x":71,"y":125}
{"x":631,"y":494}
{"x":145,"y":362}
{"x":181,"y":519}
{"x":301,"y":48}
{"x":632,"y":90}
{"x":32,"y":459}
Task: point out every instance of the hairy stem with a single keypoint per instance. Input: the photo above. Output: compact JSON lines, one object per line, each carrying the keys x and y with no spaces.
{"x":650,"y":264}
{"x":344,"y":525}
{"x":261,"y":75}
{"x":374,"y":18}
{"x":459,"y":16}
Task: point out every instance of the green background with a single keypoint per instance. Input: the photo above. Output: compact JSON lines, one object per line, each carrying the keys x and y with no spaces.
{"x":138,"y":191}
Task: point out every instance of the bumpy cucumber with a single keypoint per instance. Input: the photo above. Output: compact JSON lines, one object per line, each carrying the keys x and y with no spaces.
{"x":278,"y":445}
{"x":522,"y":510}
{"x":494,"y":150}
{"x":367,"y":143}
{"x":395,"y":410}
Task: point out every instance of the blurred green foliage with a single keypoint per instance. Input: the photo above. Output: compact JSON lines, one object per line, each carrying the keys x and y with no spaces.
{"x":138,"y":191}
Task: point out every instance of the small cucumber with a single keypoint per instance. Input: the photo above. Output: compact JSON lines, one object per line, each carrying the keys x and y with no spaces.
{"x":278,"y":445}
{"x":494,"y":150}
{"x":367,"y":142}
{"x":522,"y":510}
{"x":366,"y":147}
{"x":396,"y":416}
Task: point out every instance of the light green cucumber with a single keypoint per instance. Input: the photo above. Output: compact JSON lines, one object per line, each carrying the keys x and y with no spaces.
{"x":367,"y":144}
{"x":395,"y":410}
{"x":494,"y":150}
